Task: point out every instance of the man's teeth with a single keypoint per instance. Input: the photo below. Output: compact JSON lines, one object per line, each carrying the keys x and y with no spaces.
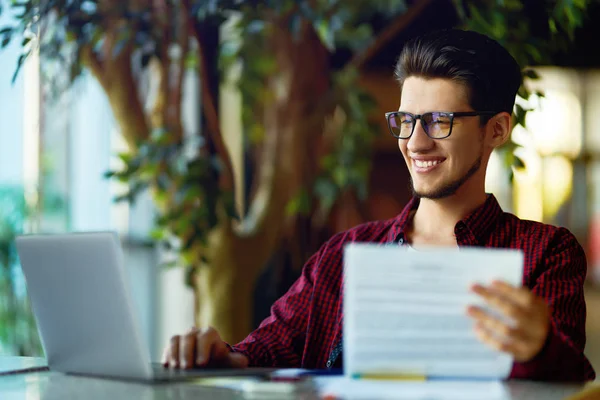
{"x":425,"y":164}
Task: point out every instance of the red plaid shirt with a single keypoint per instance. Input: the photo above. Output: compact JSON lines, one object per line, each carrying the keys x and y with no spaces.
{"x":305,"y":326}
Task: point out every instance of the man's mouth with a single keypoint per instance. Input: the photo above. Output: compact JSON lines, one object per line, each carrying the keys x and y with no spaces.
{"x":426,"y":165}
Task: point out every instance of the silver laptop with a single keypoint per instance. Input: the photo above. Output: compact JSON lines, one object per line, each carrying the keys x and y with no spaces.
{"x":85,"y":315}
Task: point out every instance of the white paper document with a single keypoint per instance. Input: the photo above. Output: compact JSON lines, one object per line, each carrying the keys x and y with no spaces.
{"x":352,"y":389}
{"x":405,"y":311}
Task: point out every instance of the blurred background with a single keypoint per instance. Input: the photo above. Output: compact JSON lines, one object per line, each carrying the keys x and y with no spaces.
{"x":225,"y":141}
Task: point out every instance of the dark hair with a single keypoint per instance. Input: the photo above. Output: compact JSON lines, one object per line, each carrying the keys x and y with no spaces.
{"x":491,"y":75}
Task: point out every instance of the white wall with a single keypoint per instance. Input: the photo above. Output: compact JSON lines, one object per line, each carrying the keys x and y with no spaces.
{"x":11,"y":113}
{"x":90,"y":127}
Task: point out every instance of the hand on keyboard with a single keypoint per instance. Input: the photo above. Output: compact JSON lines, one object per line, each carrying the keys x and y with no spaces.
{"x":200,"y":348}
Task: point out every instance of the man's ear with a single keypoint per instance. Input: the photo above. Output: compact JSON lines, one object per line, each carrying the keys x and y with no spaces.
{"x":498,"y":129}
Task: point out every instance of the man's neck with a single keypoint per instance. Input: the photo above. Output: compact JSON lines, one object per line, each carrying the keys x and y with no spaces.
{"x":434,"y":220}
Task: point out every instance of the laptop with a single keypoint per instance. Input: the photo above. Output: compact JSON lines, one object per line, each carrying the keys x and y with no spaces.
{"x":80,"y":297}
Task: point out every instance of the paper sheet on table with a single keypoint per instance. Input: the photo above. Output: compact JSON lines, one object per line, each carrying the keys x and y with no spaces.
{"x":353,"y":389}
{"x":405,"y":311}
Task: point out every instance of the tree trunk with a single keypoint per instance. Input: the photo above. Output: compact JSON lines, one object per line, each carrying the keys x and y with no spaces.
{"x":225,"y":288}
{"x":293,"y":120}
{"x":116,"y":78}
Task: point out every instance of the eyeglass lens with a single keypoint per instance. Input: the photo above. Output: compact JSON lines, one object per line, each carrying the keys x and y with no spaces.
{"x":435,"y":124}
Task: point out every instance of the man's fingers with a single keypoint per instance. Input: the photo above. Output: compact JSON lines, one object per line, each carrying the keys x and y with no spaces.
{"x":488,"y":338}
{"x":495,"y":325}
{"x":205,"y":340}
{"x":164,"y":360}
{"x":529,"y":313}
{"x":219,"y":352}
{"x":199,"y":349}
{"x":518,"y":295}
{"x":187,"y":349}
{"x":173,"y":357}
{"x":238,"y":360}
{"x":518,"y":349}
{"x":501,"y":302}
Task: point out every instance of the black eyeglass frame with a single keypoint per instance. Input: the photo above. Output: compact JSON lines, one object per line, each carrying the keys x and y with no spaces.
{"x":416,"y":117}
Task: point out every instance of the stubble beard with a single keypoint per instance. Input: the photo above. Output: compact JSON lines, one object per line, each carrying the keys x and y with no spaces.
{"x":450,"y":188}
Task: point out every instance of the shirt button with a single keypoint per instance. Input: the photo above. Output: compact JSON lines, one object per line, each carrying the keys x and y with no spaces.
{"x":329,"y":364}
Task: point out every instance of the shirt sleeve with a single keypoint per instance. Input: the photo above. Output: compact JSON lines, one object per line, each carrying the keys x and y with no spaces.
{"x":560,"y":283}
{"x":279,"y":340}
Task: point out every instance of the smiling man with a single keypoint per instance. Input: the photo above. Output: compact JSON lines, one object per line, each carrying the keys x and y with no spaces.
{"x":457,"y":90}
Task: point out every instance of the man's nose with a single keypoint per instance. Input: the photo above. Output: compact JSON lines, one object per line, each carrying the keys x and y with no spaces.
{"x":419,"y":141}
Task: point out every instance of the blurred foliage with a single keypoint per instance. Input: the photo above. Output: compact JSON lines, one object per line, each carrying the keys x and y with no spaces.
{"x":338,"y":24}
{"x":18,"y":332}
{"x":348,"y":165}
{"x":531,"y":31}
{"x":185,"y":188}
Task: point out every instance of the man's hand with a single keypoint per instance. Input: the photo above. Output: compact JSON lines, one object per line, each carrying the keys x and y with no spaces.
{"x":201,"y":348}
{"x":529,"y":314}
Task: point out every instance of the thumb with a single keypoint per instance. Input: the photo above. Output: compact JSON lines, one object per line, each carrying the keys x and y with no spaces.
{"x":238,"y":360}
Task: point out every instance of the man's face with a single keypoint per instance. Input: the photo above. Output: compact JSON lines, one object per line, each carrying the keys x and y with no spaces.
{"x":440,"y":167}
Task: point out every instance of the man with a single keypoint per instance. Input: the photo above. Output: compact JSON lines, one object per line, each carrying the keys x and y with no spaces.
{"x":457,"y":94}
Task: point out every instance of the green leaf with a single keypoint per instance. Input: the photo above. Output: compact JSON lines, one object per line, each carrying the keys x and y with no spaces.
{"x":511,"y":5}
{"x":518,"y":162}
{"x":256,"y":134}
{"x":520,"y":114}
{"x":71,"y":36}
{"x":230,"y":207}
{"x":523,"y":92}
{"x":148,"y":171}
{"x":299,"y":204}
{"x":128,"y":197}
{"x":125,"y":157}
{"x":187,"y":257}
{"x":325,"y":34}
{"x":20,"y":62}
{"x":264,"y":65}
{"x":534,"y":53}
{"x":552,"y":26}
{"x":531,"y":74}
{"x":325,"y":189}
{"x":192,"y":60}
{"x":170,"y":264}
{"x":328,"y":161}
{"x":327,"y":193}
{"x":158,"y":234}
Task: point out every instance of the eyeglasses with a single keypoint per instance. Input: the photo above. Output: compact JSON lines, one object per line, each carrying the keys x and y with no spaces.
{"x":437,"y":125}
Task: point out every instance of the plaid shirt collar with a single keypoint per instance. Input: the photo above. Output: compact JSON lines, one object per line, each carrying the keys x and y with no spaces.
{"x":471,"y":230}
